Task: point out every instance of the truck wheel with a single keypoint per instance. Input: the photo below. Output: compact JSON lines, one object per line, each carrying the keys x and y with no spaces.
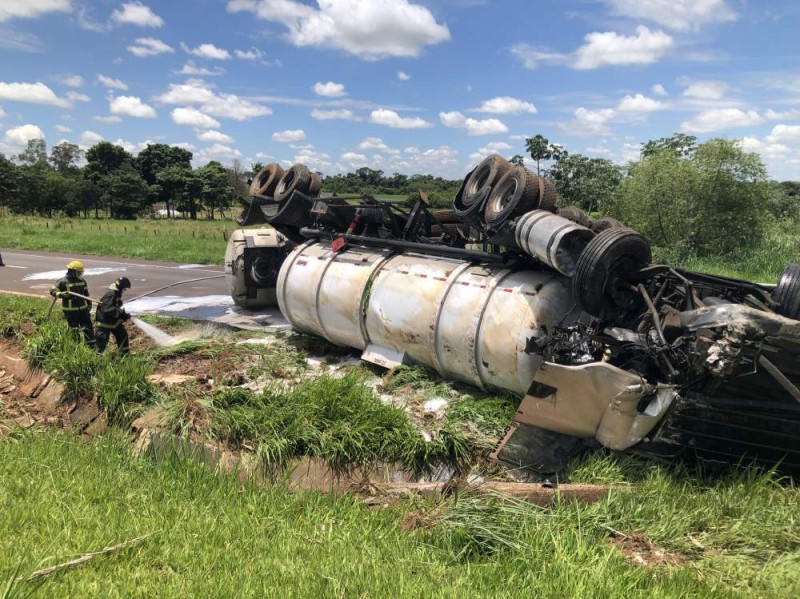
{"x":605,"y":222}
{"x":516,"y":193}
{"x":598,"y":285}
{"x":297,"y":178}
{"x":490,"y":170}
{"x":315,"y":185}
{"x":266,"y":180}
{"x":576,"y":215}
{"x":787,"y":292}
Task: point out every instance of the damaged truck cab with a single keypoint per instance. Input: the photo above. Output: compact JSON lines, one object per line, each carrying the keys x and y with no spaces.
{"x":507,"y":292}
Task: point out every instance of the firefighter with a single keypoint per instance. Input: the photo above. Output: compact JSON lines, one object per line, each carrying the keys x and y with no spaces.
{"x":110,"y":316}
{"x":77,"y":311}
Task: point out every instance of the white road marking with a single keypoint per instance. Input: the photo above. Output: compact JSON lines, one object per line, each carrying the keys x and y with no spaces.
{"x":13,"y":266}
{"x":208,"y":268}
{"x":57,"y":274}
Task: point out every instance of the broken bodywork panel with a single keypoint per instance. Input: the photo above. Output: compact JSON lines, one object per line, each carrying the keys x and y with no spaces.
{"x":504,"y":292}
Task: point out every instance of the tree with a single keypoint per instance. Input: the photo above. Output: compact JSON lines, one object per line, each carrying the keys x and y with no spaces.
{"x":679,"y":144}
{"x":589,"y":183}
{"x":518,"y":160}
{"x":105,"y":158}
{"x":126,"y":193}
{"x":540,"y":148}
{"x":157,"y":157}
{"x":8,"y":181}
{"x":714,"y":202}
{"x":34,"y":154}
{"x":254,"y":168}
{"x":216,"y":190}
{"x":65,"y":156}
{"x":172,"y":182}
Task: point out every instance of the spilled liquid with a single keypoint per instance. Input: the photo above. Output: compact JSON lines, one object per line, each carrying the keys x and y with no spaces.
{"x":160,"y":337}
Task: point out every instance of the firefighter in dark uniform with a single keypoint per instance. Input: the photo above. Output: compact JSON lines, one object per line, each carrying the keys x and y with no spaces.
{"x":110,"y":316}
{"x":77,"y":311}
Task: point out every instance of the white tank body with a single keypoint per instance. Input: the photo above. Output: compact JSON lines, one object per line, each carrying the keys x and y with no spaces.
{"x":469,"y":322}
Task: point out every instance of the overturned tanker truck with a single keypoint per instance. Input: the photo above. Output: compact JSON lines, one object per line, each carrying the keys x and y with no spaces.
{"x":505,"y":291}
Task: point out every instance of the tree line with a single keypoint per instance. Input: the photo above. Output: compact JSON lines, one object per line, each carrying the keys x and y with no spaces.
{"x":114,"y":182}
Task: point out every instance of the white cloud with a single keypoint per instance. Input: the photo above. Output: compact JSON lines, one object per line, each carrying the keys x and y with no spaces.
{"x":218,"y":152}
{"x":456,"y":120}
{"x":215,"y":137}
{"x":679,"y":15}
{"x":659,"y":90}
{"x":107,"y":119}
{"x":149,"y":46}
{"x":131,"y":106}
{"x":190,"y":68}
{"x":63,"y":129}
{"x":89,"y":138}
{"x":403,"y":76}
{"x":722,"y":118}
{"x":495,"y":147}
{"x":786,"y":115}
{"x":33,"y":93}
{"x":19,"y":136}
{"x":609,"y":48}
{"x":209,"y":51}
{"x":70,"y":80}
{"x":30,"y":9}
{"x":506,"y":105}
{"x":706,"y":90}
{"x":639,"y":103}
{"x":330,"y":115}
{"x":785,"y":134}
{"x":373,"y":143}
{"x":136,"y":13}
{"x":589,"y":122}
{"x":78,"y":97}
{"x":767,"y":149}
{"x":198,"y":92}
{"x":329,"y":89}
{"x":353,"y":160}
{"x":191,"y":117}
{"x":531,"y":57}
{"x":251,"y":54}
{"x":369,"y":29}
{"x":289,"y":135}
{"x":389,"y":118}
{"x":2,"y":113}
{"x":112,"y":83}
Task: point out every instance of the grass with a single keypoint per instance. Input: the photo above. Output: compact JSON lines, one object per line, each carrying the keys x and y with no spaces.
{"x":215,"y":537}
{"x":201,"y":242}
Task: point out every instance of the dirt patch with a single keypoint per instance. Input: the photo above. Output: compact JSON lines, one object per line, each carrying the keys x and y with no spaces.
{"x":639,"y":550}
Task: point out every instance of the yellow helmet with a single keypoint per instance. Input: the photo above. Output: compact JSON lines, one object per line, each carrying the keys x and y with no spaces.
{"x":75,"y":265}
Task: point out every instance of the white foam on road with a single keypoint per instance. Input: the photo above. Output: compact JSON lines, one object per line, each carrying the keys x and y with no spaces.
{"x":186,"y":266}
{"x":57,"y":274}
{"x":176,"y":303}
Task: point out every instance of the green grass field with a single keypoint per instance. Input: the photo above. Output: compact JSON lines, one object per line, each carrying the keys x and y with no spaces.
{"x":200,"y":241}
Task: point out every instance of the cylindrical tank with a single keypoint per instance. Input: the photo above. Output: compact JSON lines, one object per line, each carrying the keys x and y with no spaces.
{"x":469,"y":322}
{"x":252,"y":260}
{"x":552,"y":239}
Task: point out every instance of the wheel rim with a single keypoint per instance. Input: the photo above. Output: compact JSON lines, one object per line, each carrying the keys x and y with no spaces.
{"x":503,"y":197}
{"x":287,"y":182}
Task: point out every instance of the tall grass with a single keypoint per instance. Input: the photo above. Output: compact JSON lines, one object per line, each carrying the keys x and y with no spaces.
{"x":173,"y":240}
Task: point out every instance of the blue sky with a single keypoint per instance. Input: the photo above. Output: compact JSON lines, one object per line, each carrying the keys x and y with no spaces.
{"x":409,"y":86}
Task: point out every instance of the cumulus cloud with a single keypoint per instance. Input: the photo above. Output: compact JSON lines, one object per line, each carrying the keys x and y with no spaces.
{"x":389,"y":118}
{"x":107,"y":119}
{"x":191,"y":117}
{"x":149,"y":46}
{"x":589,"y":122}
{"x":32,"y":93}
{"x":506,"y":105}
{"x":215,"y":137}
{"x":706,"y":90}
{"x":403,"y":76}
{"x":219,"y":152}
{"x":373,"y":143}
{"x":251,"y":54}
{"x":19,"y":136}
{"x":200,"y":93}
{"x":329,"y":89}
{"x":456,"y":120}
{"x":785,"y":134}
{"x":786,"y":115}
{"x":70,"y":80}
{"x":63,"y":129}
{"x":767,"y":149}
{"x":679,"y":15}
{"x":112,"y":83}
{"x":532,"y":58}
{"x":290,"y":135}
{"x":659,"y":90}
{"x":722,"y":118}
{"x":495,"y":147}
{"x":353,"y":160}
{"x":78,"y":97}
{"x":369,"y":29}
{"x":136,"y":13}
{"x":639,"y":103}
{"x":31,"y":9}
{"x":611,"y":49}
{"x":131,"y":106}
{"x":209,"y":51}
{"x":90,"y":138}
{"x":191,"y":69}
{"x":331,"y":115}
